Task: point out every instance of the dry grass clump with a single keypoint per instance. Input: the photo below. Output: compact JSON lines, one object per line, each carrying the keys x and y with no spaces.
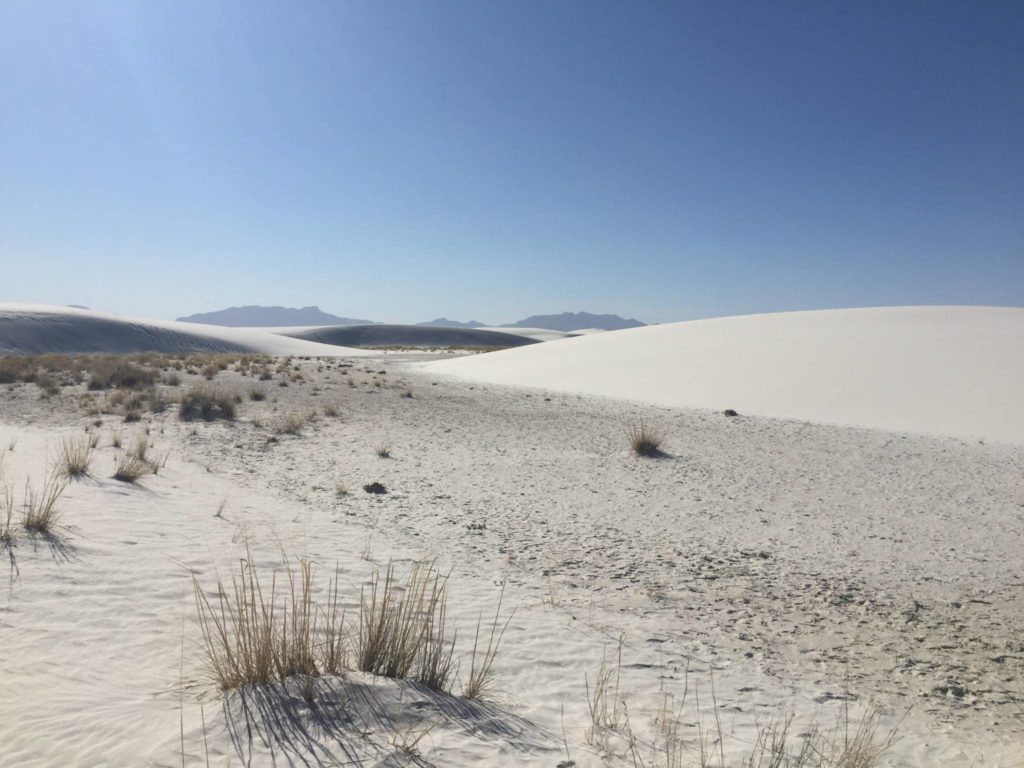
{"x":40,"y":513}
{"x":129,"y":468}
{"x":291,"y":424}
{"x":383,"y":450}
{"x":402,"y":628}
{"x":252,"y":634}
{"x":644,"y":439}
{"x":116,"y":373}
{"x":75,"y":455}
{"x":705,"y":745}
{"x":207,"y":403}
{"x":403,"y":633}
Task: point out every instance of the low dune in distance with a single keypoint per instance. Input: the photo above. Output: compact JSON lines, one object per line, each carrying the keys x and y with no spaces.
{"x":383,"y":335}
{"x":941,"y":370}
{"x":33,"y":329}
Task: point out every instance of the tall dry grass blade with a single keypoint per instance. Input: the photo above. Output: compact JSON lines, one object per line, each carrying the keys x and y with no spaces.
{"x":481,"y":680}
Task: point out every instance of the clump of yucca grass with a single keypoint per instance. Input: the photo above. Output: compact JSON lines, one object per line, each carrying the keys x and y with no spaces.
{"x":40,"y":514}
{"x":207,"y":403}
{"x":75,"y":456}
{"x":402,"y":631}
{"x":129,"y":468}
{"x":383,"y":450}
{"x":116,"y":437}
{"x":251,"y":634}
{"x":644,"y":439}
{"x":257,"y":394}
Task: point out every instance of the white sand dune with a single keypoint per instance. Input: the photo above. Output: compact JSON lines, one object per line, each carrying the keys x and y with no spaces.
{"x":942,"y":370}
{"x":41,"y":329}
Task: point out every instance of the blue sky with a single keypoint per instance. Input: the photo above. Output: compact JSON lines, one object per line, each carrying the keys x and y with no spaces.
{"x":405,"y":160}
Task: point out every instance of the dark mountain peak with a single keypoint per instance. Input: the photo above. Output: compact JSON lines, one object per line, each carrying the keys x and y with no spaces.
{"x":444,"y":322}
{"x":258,"y":316}
{"x":576,"y":321}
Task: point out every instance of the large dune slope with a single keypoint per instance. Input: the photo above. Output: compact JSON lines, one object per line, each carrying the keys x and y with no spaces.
{"x":30,"y":329}
{"x":943,"y":370}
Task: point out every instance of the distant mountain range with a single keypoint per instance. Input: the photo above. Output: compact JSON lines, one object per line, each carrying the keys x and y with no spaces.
{"x":444,"y":322}
{"x":254,"y":316}
{"x":576,"y":321}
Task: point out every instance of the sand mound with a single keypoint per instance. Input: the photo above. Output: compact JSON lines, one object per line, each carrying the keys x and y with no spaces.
{"x":411,"y":336}
{"x":27,"y":329}
{"x":942,"y":370}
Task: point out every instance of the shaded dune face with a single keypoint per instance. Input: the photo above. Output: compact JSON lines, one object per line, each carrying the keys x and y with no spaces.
{"x":28,"y":333}
{"x":410,"y":335}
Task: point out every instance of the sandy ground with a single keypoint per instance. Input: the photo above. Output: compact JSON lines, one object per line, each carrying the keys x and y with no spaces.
{"x":798,"y":567}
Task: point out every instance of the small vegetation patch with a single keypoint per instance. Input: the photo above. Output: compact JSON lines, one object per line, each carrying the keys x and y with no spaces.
{"x":40,"y":507}
{"x":114,"y":373}
{"x":291,"y":424}
{"x":644,"y":439}
{"x":207,"y":403}
{"x":375,"y":487}
{"x":130,"y":468}
{"x":253,"y":633}
{"x":75,"y":455}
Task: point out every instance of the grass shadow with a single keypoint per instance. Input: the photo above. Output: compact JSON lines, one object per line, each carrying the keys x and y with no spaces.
{"x":352,"y":722}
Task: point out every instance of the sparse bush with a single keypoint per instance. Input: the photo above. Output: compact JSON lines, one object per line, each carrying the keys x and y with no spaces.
{"x":207,"y":403}
{"x":290,"y":424}
{"x":375,"y":487}
{"x":112,"y":372}
{"x":644,"y":439}
{"x":116,"y":437}
{"x":75,"y":455}
{"x":172,"y":379}
{"x":256,"y":393}
{"x":383,"y":451}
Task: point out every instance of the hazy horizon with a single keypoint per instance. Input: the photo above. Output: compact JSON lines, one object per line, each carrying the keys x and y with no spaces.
{"x":491,"y":162}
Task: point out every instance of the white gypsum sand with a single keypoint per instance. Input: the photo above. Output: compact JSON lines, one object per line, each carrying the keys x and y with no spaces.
{"x":940,"y":370}
{"x":801,"y":568}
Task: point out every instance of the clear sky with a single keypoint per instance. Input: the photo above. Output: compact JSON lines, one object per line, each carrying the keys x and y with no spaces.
{"x":404,"y":160}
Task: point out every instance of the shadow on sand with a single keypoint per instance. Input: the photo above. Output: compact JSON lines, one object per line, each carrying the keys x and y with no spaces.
{"x":354,"y":722}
